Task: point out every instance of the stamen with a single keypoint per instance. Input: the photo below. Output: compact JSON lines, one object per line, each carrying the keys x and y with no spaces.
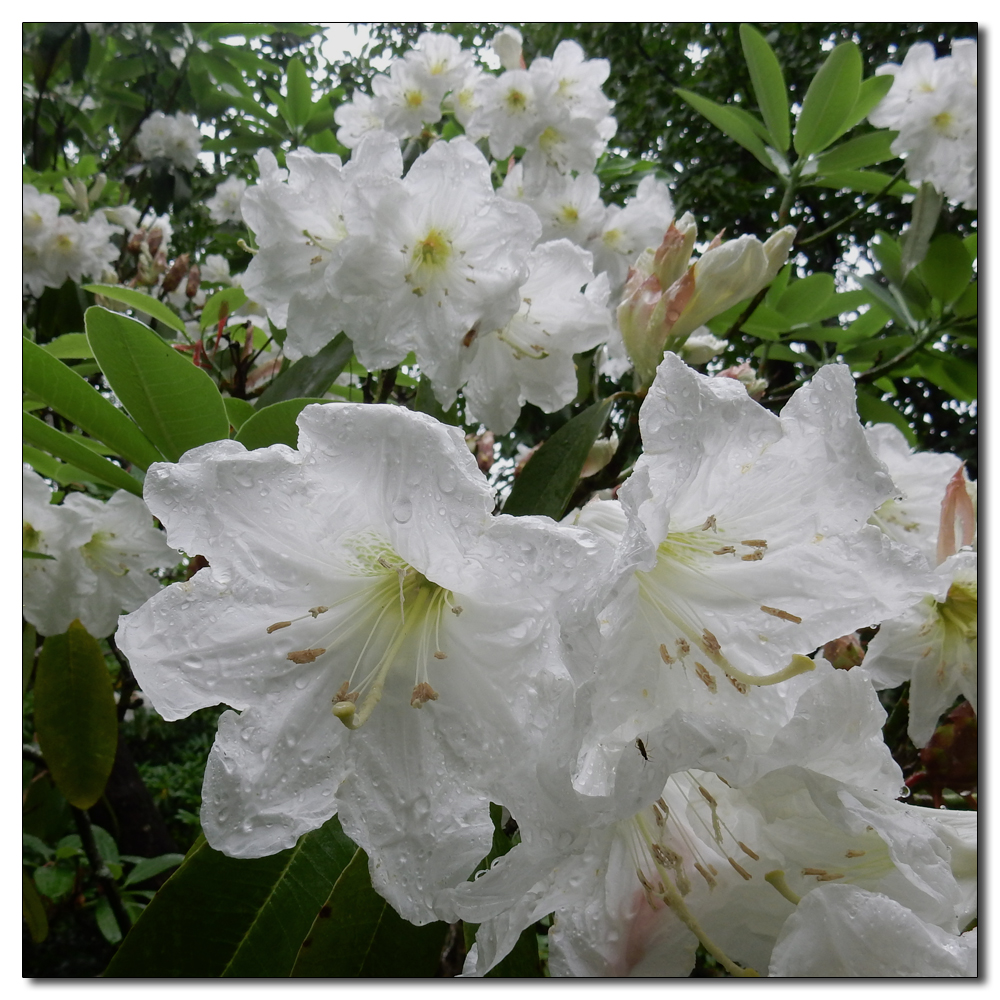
{"x":712,"y":646}
{"x":777,"y":880}
{"x":709,"y":523}
{"x":664,"y":655}
{"x":724,"y":551}
{"x":706,"y":678}
{"x":746,"y":850}
{"x":754,"y":556}
{"x":318,"y":610}
{"x":276,"y":626}
{"x":754,"y":543}
{"x":814,"y":871}
{"x":855,"y":854}
{"x":422,"y":694}
{"x":438,"y":655}
{"x":305,"y":655}
{"x":778,"y":613}
{"x":705,"y":875}
{"x":830,"y":877}
{"x":740,"y":869}
{"x":682,"y":645}
{"x":457,"y":609}
{"x":343,"y":694}
{"x":739,"y":685}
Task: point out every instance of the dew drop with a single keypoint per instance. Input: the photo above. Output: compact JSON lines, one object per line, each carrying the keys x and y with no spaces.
{"x":402,"y":511}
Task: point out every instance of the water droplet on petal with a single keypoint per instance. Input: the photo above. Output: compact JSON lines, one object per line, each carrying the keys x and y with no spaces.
{"x":402,"y":511}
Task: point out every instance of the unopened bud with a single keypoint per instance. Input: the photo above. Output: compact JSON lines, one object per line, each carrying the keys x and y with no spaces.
{"x":670,"y":260}
{"x":481,"y":445}
{"x":507,"y":45}
{"x":135,"y":241}
{"x":177,"y":271}
{"x":600,"y":454}
{"x":701,"y":347}
{"x":845,"y":652}
{"x":97,"y":187}
{"x":194,"y":280}
{"x":154,"y":239}
{"x":956,"y":508}
{"x":755,"y":386}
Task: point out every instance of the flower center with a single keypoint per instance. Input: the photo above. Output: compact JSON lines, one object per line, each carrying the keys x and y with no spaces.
{"x":103,"y":556}
{"x":433,"y":250}
{"x":516,"y":101}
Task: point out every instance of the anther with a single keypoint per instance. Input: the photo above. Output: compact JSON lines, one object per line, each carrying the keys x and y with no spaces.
{"x":663,"y":806}
{"x":829,"y":877}
{"x":739,"y":685}
{"x":713,"y":869}
{"x":682,"y":645}
{"x":422,"y":694}
{"x":709,"y":523}
{"x":778,"y":613}
{"x":754,"y":556}
{"x":318,"y":610}
{"x":754,"y":543}
{"x":438,"y":655}
{"x":740,"y":869}
{"x":746,"y":850}
{"x":855,"y":854}
{"x":276,"y":626}
{"x":305,"y":655}
{"x":457,"y":610}
{"x":706,"y":678}
{"x":345,"y":694}
{"x":712,"y":646}
{"x":709,"y":798}
{"x":658,"y":816}
{"x":664,"y":655}
{"x":814,"y":871}
{"x":726,"y":550}
{"x":705,"y":875}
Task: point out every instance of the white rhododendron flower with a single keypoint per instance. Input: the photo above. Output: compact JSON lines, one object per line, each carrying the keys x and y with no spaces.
{"x":933,"y":104}
{"x":100,"y":554}
{"x":510,"y":111}
{"x":174,"y":137}
{"x":431,"y":259}
{"x":298,"y":217}
{"x":357,"y":117}
{"x":224,"y":205}
{"x":390,"y":647}
{"x":531,"y":358}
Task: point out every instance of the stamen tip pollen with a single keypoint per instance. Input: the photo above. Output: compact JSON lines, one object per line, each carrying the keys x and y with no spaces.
{"x":276,"y":626}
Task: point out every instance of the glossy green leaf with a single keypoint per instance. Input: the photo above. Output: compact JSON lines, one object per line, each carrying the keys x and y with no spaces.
{"x":356,"y":933}
{"x":54,"y":881}
{"x":230,"y":298}
{"x":968,"y":302}
{"x":177,"y":405}
{"x":76,"y":399}
{"x":69,"y":345}
{"x":768,"y":85}
{"x":239,"y":411}
{"x":917,"y":236}
{"x":141,"y":302}
{"x":804,"y":299}
{"x":52,"y":468}
{"x":863,"y":182}
{"x":880,"y":296}
{"x":874,"y":410}
{"x":75,"y":715}
{"x":946,"y":269}
{"x":33,"y":910}
{"x":972,"y":245}
{"x":870,"y":94}
{"x":547,"y":482}
{"x":149,"y":867}
{"x":67,"y":447}
{"x":732,"y":122}
{"x":863,"y":151}
{"x":309,"y":378}
{"x":829,"y":100}
{"x":220,"y":916}
{"x":299,"y":99}
{"x":957,"y":377}
{"x":274,"y":424}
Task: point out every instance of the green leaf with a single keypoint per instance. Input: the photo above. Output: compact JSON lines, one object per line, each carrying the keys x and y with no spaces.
{"x":955,"y":376}
{"x":33,"y":910}
{"x":77,"y":400}
{"x":106,"y":846}
{"x":546,"y":483}
{"x":968,"y":301}
{"x":141,"y":302}
{"x":28,"y":639}
{"x":829,"y":100}
{"x":881,"y":297}
{"x":299,"y":90}
{"x":426,"y":402}
{"x":67,"y":447}
{"x":232,"y":298}
{"x":357,"y":933}
{"x":220,"y":916}
{"x":972,"y":245}
{"x":75,"y":715}
{"x":54,"y":881}
{"x":917,"y":237}
{"x":239,"y":411}
{"x":768,"y":85}
{"x":149,"y":867}
{"x":860,"y":152}
{"x":804,"y":299}
{"x":874,"y":410}
{"x":946,"y":269}
{"x":862,"y":181}
{"x":732,"y":121}
{"x":274,"y":424}
{"x":309,"y":378}
{"x":69,"y":345}
{"x":870,"y":94}
{"x":177,"y":405}
{"x":28,"y":554}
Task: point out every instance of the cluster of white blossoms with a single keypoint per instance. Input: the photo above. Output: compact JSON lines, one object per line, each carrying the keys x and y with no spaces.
{"x":94,"y":558}
{"x":176,"y":138}
{"x":224,"y":205}
{"x":633,"y":685}
{"x":933,"y":104}
{"x":57,"y":247}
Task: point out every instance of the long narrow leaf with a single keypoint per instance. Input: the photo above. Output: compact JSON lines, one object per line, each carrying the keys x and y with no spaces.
{"x":731,"y":122}
{"x":829,"y":100}
{"x":768,"y":85}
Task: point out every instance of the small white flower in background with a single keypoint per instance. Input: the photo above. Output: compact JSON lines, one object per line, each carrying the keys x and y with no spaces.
{"x":357,"y":117}
{"x":510,"y":111}
{"x":224,"y":205}
{"x":215,"y":270}
{"x":935,"y":644}
{"x":390,"y":645}
{"x":507,"y":44}
{"x":530,"y":359}
{"x":175,"y":137}
{"x":101,"y":552}
{"x":933,"y":104}
{"x":568,"y":207}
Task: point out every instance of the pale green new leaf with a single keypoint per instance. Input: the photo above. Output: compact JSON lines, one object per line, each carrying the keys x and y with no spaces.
{"x":829,"y":100}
